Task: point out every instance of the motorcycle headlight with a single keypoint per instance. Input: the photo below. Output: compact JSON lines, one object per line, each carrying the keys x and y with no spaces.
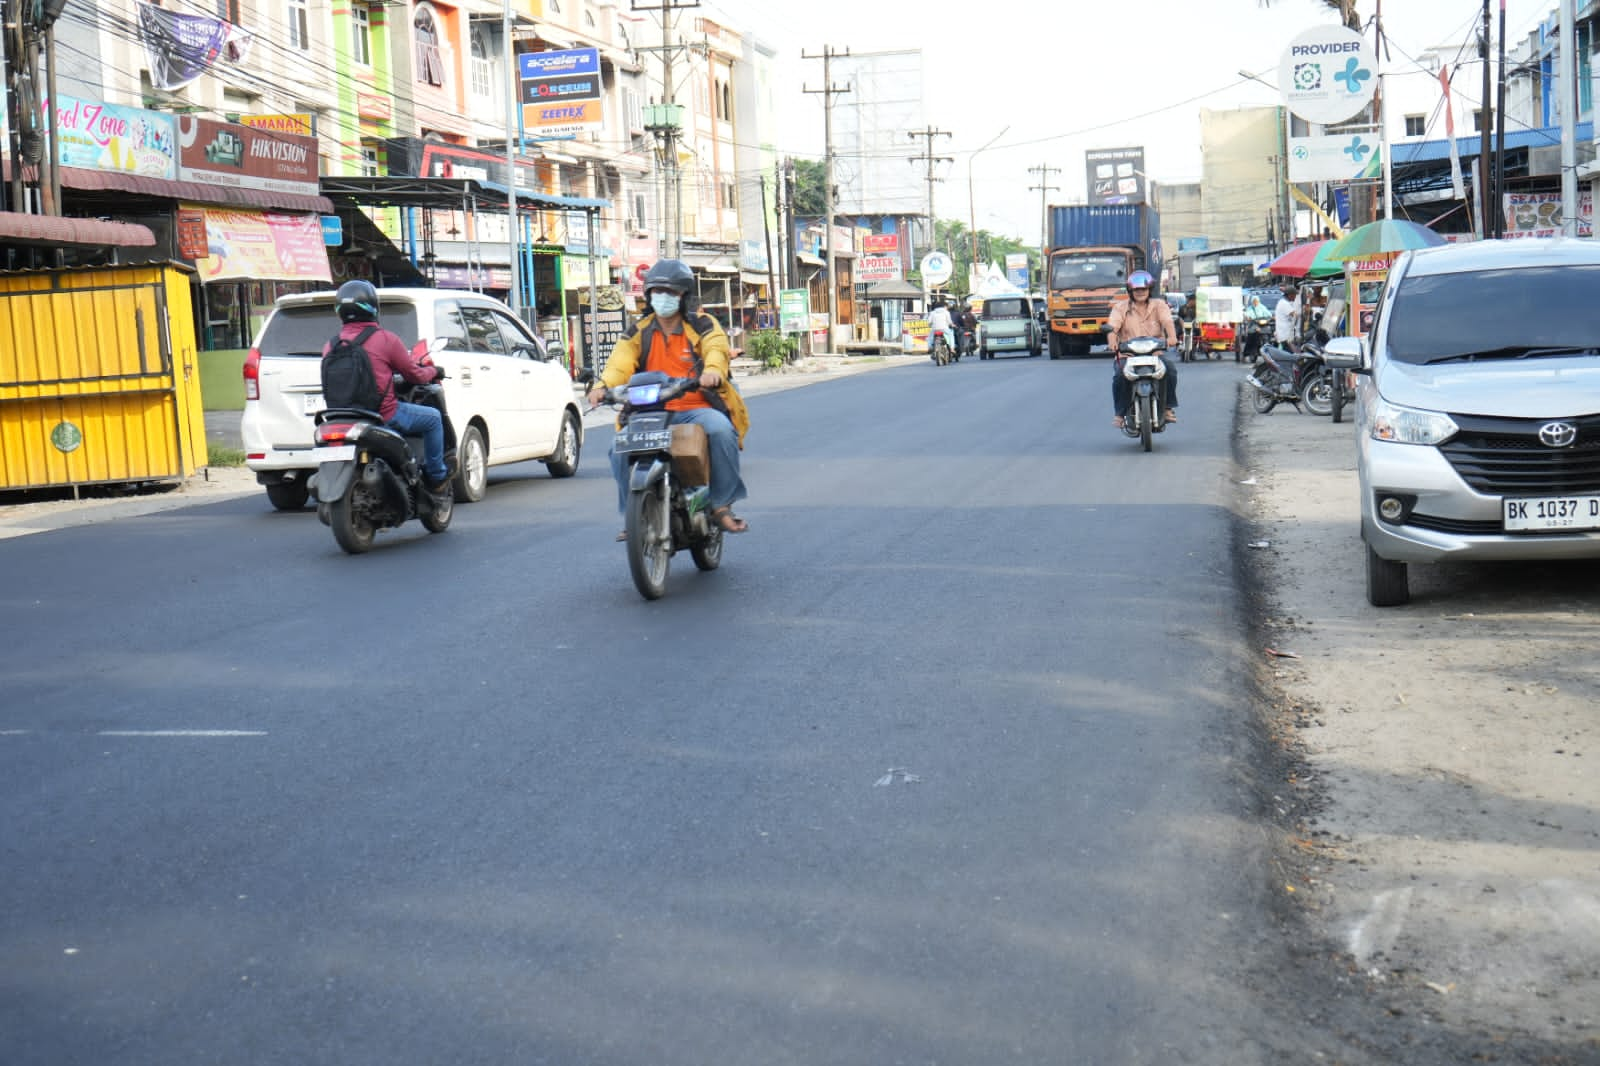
{"x":1409,"y":425}
{"x":1142,"y":346}
{"x":643,"y":395}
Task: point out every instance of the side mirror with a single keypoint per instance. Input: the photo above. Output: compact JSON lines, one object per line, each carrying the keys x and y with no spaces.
{"x":585,"y":377}
{"x":1346,"y":353}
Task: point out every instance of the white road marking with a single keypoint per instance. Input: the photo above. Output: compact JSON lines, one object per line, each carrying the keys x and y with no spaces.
{"x":180,"y":733}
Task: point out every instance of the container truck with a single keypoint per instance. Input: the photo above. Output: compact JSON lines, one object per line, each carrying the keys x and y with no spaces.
{"x":1092,"y":251}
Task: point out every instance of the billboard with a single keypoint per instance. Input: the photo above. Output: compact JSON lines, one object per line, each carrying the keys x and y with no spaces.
{"x":1335,"y":157}
{"x":241,"y":157}
{"x":1115,"y":175}
{"x":561,"y":92}
{"x":1326,"y":74}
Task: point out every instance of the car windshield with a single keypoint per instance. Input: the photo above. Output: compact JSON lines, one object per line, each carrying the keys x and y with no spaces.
{"x":1087,"y":272}
{"x":1004,"y":307}
{"x":303,"y":330}
{"x":1495,"y":314}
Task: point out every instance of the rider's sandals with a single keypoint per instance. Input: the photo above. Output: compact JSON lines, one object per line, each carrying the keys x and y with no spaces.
{"x":1172,"y":416}
{"x":1116,"y":420}
{"x":622,"y":536}
{"x":728,"y":521}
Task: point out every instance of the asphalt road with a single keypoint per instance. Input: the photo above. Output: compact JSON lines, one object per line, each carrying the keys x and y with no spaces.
{"x":949,"y":763}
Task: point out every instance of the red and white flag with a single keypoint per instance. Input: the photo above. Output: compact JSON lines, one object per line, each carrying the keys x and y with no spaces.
{"x":1456,"y":184}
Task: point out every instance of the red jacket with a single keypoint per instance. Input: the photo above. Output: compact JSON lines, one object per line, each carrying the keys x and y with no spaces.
{"x":389,"y":356}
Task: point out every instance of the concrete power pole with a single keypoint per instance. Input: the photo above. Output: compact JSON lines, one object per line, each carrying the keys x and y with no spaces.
{"x":828,"y":91}
{"x":1044,"y":170}
{"x":666,"y":127}
{"x":930,"y":159}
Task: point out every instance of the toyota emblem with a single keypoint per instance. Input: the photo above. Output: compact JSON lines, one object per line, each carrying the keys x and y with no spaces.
{"x":1558,"y":434}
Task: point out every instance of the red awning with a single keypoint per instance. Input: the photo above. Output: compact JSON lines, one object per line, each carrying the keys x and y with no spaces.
{"x":54,"y":229}
{"x":194,"y":191}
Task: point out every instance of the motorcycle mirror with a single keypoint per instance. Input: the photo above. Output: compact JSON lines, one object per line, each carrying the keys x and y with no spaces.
{"x":585,"y":376}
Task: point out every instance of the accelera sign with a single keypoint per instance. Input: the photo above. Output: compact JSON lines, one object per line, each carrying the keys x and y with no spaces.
{"x":1327,"y":74}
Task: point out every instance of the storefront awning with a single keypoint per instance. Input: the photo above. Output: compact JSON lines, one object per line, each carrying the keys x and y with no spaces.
{"x":709,"y":261}
{"x":193,"y":191}
{"x":57,"y":230}
{"x":893,"y":290}
{"x":448,"y":194}
{"x":750,"y":278}
{"x":809,"y":260}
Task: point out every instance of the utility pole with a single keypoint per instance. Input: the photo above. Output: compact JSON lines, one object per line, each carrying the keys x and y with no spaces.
{"x":931,"y":160}
{"x":665,"y":123}
{"x":1044,"y":170}
{"x":1485,"y":173}
{"x":788,"y":223}
{"x":828,"y":91}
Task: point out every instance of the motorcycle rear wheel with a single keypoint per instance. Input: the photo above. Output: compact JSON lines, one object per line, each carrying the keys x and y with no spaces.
{"x":707,"y":554}
{"x":1146,"y":421}
{"x":353,"y":532}
{"x":1317,"y":394}
{"x":649,"y":554}
{"x":1340,"y":397}
{"x":1263,"y":401}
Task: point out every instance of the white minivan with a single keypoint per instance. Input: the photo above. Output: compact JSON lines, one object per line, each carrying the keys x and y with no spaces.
{"x":509,"y":402}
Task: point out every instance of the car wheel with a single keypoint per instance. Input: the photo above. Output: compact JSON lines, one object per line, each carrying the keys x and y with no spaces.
{"x":1386,"y":581}
{"x":1058,"y":346}
{"x":563,"y":462}
{"x":289,"y":495}
{"x":472,"y":480}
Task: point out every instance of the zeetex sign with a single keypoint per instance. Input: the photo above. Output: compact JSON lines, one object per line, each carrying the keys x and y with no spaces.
{"x":561,"y":92}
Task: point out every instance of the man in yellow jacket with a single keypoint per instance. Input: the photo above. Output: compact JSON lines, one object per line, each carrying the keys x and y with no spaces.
{"x":677,"y":340}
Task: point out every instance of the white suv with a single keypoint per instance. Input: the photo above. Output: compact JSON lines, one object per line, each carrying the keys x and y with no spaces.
{"x":1478,"y":409}
{"x":507,"y":400}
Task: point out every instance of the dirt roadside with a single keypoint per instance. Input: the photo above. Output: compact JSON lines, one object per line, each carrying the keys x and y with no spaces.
{"x":1441,"y":790}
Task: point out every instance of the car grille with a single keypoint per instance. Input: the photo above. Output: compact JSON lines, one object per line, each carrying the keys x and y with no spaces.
{"x":1504,"y":456}
{"x":1088,"y":310}
{"x":1459,"y":526}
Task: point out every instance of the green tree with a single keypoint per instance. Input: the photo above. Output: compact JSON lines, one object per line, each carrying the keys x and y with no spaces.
{"x":810,"y":192}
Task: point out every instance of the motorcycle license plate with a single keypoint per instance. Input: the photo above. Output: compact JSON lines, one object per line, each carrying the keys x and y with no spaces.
{"x":644,"y":438}
{"x":339,"y":453}
{"x":1562,"y":514}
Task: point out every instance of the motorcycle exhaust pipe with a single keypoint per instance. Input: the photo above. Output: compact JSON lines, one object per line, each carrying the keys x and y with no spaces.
{"x":382,"y":481}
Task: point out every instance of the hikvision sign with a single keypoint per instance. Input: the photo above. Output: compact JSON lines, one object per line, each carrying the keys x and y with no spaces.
{"x":1327,"y":74}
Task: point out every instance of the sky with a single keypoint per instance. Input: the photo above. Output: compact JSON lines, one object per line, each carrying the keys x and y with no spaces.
{"x":1063,"y":76}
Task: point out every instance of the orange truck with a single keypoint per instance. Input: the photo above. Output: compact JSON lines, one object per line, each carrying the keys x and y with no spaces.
{"x":1092,"y":251}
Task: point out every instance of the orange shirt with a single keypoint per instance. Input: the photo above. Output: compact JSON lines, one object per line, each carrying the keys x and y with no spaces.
{"x":671,"y":355}
{"x":1129,"y":320}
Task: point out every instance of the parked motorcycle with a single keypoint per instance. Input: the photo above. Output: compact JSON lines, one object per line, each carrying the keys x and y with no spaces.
{"x":669,"y":507}
{"x":1283,"y":376}
{"x":369,"y":477}
{"x":1144,"y":370}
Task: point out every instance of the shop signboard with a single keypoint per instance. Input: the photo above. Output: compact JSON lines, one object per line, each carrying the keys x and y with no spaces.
{"x":1538,"y":214}
{"x":235,"y":156}
{"x":561,"y":92}
{"x":1017,"y":269}
{"x":914,"y":333}
{"x":871,"y":268}
{"x":261,"y":246}
{"x":794,"y":310}
{"x":1335,"y":157}
{"x":610,"y":322}
{"x":128,"y":140}
{"x":881,"y":243}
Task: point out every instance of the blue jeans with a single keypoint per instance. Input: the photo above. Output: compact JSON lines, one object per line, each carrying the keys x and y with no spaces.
{"x":415,"y":420}
{"x":726,"y":484}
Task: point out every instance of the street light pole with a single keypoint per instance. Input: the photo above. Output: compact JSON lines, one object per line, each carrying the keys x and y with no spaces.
{"x":972,"y":215}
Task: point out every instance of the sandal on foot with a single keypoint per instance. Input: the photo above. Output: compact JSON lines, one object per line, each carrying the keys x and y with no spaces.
{"x":622,"y":536}
{"x":728,"y":521}
{"x":1172,"y":416}
{"x":1116,"y":420}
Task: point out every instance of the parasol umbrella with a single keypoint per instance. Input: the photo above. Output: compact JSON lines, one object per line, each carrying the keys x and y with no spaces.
{"x":1383,"y":237}
{"x":1307,"y":260}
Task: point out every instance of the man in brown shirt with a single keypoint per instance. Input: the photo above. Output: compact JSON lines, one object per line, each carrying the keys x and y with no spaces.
{"x":1140,"y":317}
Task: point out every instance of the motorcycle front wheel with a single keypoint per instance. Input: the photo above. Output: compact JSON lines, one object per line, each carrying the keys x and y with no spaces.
{"x":649,"y":553}
{"x":1146,"y":421}
{"x":1317,"y":394}
{"x":351,"y":528}
{"x":438,"y":519}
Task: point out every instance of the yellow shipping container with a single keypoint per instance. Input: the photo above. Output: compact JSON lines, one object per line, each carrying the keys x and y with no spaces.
{"x":99,"y":380}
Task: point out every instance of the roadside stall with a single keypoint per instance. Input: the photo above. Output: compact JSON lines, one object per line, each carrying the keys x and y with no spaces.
{"x":1218,"y":310}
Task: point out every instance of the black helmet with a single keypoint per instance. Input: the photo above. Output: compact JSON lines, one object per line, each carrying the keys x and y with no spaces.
{"x":358,"y":301}
{"x":672,"y":275}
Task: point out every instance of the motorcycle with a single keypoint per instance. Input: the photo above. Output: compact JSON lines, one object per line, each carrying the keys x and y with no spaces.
{"x":964,"y":342}
{"x":369,"y":477}
{"x":1144,"y":370}
{"x":939,"y":350}
{"x":669,"y":506}
{"x":1253,"y":334}
{"x":1299,"y":382}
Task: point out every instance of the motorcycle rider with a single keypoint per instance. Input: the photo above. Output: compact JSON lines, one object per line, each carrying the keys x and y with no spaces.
{"x":968,"y":323}
{"x":677,"y":340}
{"x":939,"y":322}
{"x":357,"y":304}
{"x":1140,"y":316}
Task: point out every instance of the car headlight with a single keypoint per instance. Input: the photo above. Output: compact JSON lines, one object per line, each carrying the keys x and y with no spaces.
{"x":1409,"y":425}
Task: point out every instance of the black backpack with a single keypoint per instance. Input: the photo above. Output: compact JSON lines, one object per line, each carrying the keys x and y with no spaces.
{"x":347,"y":378}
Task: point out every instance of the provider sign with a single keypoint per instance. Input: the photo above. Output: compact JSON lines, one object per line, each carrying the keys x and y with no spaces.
{"x":1335,"y":157}
{"x":1328,"y":74}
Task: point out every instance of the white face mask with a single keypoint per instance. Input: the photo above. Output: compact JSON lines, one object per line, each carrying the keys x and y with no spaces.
{"x":665,"y":303}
